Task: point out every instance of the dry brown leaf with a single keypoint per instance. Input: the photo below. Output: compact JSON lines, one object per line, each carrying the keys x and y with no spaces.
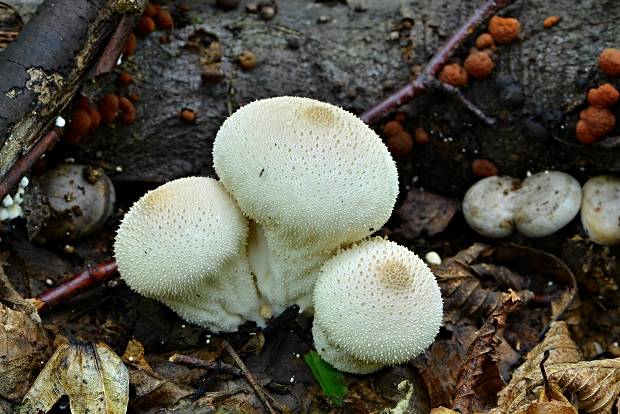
{"x":463,"y":295}
{"x":424,"y":212}
{"x":478,"y":379}
{"x":553,"y":402}
{"x":595,"y":384}
{"x":443,"y":410}
{"x":24,"y":344}
{"x":91,"y":375}
{"x":152,"y":390}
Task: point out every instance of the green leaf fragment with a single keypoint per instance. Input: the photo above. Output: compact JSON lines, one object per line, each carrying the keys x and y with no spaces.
{"x":331,"y":380}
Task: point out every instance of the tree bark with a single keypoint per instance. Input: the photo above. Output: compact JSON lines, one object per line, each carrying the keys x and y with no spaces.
{"x":45,"y":66}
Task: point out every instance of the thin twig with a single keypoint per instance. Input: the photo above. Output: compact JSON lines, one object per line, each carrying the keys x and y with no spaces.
{"x":25,"y":163}
{"x":456,"y":93}
{"x":420,"y":84}
{"x":194,"y":362}
{"x":114,"y":48}
{"x":92,"y":276}
{"x":262,"y":394}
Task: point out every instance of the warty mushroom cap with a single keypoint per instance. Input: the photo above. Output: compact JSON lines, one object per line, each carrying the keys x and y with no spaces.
{"x":183,"y":243}
{"x":376,"y":304}
{"x":600,"y":209}
{"x":313,"y":176}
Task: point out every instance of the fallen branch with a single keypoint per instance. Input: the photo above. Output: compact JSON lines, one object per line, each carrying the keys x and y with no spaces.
{"x":193,"y":362}
{"x":102,"y":272}
{"x":426,"y":78}
{"x":45,"y":66}
{"x":262,"y":394}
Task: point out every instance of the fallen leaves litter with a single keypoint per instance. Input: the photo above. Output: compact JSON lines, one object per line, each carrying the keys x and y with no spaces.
{"x":478,"y":380}
{"x":91,"y":375}
{"x":424,"y":212}
{"x":595,"y":384}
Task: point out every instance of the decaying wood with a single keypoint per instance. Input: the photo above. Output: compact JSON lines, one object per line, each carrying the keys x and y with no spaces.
{"x":45,"y":66}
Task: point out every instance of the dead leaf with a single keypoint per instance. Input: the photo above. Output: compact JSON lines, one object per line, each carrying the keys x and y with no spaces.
{"x":596,"y":384}
{"x":463,"y":295}
{"x":478,"y":379}
{"x":24,"y":344}
{"x":594,"y":265}
{"x":552,"y":403}
{"x":424,"y":212}
{"x":91,"y":375}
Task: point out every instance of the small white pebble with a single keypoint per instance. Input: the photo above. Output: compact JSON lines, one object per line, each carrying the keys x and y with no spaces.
{"x":23,"y":183}
{"x":7,"y":201}
{"x":119,"y":168}
{"x":208,"y":341}
{"x":130,"y":359}
{"x":550,"y":283}
{"x":292,"y":380}
{"x":183,"y":326}
{"x":120,"y":60}
{"x":60,"y":122}
{"x":433,"y":258}
{"x":49,"y":282}
{"x":297,"y":356}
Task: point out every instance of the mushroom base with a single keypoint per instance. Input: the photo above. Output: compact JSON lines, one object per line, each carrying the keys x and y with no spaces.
{"x":337,"y":357}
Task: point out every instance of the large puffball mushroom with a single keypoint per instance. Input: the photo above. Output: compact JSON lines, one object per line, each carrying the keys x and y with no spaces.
{"x":547,"y":201}
{"x":184,"y":245}
{"x":600,"y":209}
{"x":489,"y":204}
{"x":375,"y":304}
{"x":313,"y":177}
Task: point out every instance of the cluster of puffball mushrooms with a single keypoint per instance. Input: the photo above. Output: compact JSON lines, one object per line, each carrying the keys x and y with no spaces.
{"x":303,"y":185}
{"x":542,"y":204}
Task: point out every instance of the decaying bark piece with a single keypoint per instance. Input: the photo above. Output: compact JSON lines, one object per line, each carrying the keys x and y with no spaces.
{"x":43,"y":68}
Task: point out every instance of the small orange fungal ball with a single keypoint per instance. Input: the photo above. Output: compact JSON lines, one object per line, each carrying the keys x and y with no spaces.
{"x":609,"y":62}
{"x":453,"y":74}
{"x":603,"y":96}
{"x":504,"y":30}
{"x":479,"y":65}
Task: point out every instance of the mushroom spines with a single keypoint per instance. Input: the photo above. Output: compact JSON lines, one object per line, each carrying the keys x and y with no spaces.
{"x":378,"y":302}
{"x":300,"y":163}
{"x":178,"y":234}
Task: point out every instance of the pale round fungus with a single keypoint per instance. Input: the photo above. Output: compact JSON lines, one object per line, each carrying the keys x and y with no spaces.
{"x":376,"y":304}
{"x":600,"y":209}
{"x":547,"y":201}
{"x":313,"y":177}
{"x":488,"y":206}
{"x":537,"y":207}
{"x":184,"y":245}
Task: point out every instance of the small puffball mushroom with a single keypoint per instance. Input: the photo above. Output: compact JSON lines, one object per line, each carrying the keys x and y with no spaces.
{"x":547,"y":201}
{"x":184,"y":245}
{"x":600,"y":209}
{"x":376,"y":304}
{"x":488,"y":206}
{"x":80,"y":198}
{"x":313,"y":177}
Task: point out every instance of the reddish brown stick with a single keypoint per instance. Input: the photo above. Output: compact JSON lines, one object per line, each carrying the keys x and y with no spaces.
{"x":102,"y":272}
{"x":419,"y":84}
{"x":25,"y":163}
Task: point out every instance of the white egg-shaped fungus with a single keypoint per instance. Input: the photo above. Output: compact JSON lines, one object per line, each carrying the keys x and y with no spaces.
{"x":600,"y":209}
{"x":184,"y":244}
{"x":313,"y":178}
{"x":376,"y":304}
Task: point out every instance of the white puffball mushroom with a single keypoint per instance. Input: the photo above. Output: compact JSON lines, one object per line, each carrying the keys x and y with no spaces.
{"x":600,"y":209}
{"x":546,"y":202}
{"x":376,"y":304}
{"x":184,"y":245}
{"x":489,"y":204}
{"x":313,"y":177}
